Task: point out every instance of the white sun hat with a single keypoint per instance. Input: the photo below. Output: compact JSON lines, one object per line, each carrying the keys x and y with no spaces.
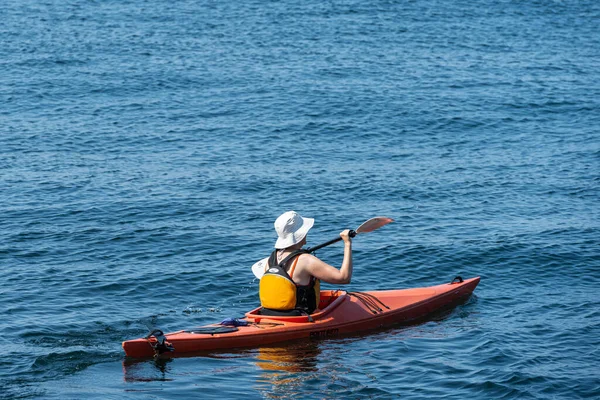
{"x":291,"y":229}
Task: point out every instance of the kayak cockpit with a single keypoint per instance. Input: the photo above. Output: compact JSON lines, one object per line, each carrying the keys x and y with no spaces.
{"x":329,"y":301}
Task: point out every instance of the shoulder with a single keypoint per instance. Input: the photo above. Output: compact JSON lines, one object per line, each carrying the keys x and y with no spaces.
{"x":309,"y":261}
{"x":307,"y":257}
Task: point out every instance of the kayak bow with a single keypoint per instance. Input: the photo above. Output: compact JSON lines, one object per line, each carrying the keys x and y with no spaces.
{"x":339,"y":313}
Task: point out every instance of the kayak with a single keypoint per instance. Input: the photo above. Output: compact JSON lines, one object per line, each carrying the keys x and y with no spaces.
{"x":339,"y":313}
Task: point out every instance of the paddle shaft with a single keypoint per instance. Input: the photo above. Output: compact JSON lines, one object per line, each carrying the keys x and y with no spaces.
{"x":332,"y":241}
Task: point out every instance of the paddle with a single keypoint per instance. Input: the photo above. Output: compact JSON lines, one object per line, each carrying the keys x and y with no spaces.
{"x":368,"y":226}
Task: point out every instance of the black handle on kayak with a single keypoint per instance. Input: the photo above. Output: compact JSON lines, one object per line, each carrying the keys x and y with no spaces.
{"x":332,"y":241}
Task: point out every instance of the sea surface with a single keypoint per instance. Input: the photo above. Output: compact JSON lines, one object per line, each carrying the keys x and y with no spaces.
{"x":147,"y":146}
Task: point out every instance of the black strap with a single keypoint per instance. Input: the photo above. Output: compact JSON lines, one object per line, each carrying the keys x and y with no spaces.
{"x":370,"y":301}
{"x":211,"y":330}
{"x":280,"y":313}
{"x":283,"y":263}
{"x":296,"y":312}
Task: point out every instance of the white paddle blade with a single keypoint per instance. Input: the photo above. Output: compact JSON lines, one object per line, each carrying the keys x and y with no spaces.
{"x":372,"y":224}
{"x":258,"y":269}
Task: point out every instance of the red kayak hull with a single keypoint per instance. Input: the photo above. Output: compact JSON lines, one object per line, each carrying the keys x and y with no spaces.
{"x":340,"y":313}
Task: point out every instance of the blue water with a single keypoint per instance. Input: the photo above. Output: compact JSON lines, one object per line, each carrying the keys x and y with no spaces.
{"x":146,"y":147}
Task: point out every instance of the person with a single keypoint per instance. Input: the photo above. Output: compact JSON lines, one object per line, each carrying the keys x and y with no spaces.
{"x":291,"y":282}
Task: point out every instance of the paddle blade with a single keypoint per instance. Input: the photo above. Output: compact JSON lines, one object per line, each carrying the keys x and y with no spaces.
{"x":372,"y":224}
{"x":258,"y":269}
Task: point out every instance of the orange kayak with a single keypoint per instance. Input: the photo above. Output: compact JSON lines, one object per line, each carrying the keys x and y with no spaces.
{"x":339,"y":313}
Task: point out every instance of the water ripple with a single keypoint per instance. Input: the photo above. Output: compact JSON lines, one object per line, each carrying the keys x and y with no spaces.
{"x":146,"y":150}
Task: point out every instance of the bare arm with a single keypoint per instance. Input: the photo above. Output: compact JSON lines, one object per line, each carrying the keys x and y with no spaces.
{"x":329,"y":274}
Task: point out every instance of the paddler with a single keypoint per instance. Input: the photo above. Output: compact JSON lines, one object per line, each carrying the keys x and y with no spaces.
{"x":291,"y":282}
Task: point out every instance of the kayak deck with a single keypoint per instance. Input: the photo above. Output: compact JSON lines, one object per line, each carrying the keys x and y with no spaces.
{"x":339,"y":313}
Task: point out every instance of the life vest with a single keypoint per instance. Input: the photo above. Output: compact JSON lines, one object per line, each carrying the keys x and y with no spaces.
{"x":278,"y":291}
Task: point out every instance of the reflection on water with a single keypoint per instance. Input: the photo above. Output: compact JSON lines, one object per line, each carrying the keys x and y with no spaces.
{"x":282,"y":371}
{"x":286,"y":367}
{"x":299,"y":357}
{"x":297,"y":369}
{"x":146,"y":370}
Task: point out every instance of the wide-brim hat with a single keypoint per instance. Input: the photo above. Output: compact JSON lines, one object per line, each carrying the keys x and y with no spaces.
{"x":291,"y":228}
